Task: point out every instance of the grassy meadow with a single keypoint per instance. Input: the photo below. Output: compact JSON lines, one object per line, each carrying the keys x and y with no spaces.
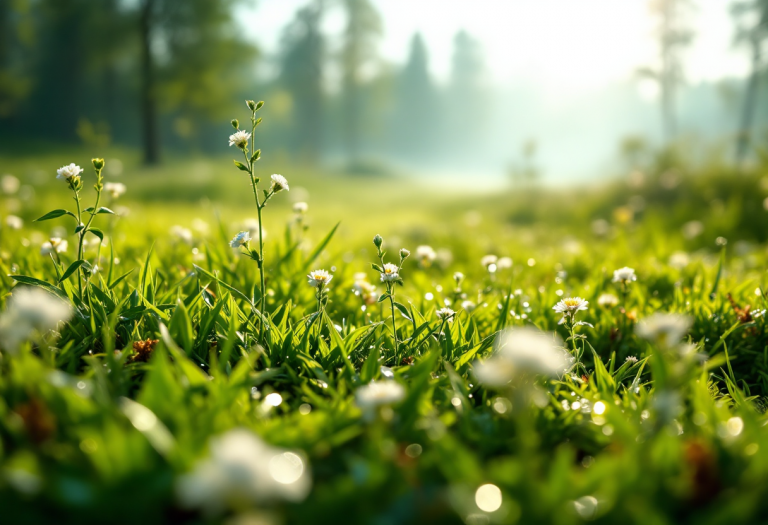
{"x":154,"y":382}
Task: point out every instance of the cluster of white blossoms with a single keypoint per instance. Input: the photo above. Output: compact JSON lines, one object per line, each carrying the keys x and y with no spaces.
{"x":666,"y":330}
{"x":30,"y":310}
{"x":390,"y":272}
{"x":239,"y":138}
{"x":67,"y":172}
{"x":569,"y":306}
{"x":241,"y":471}
{"x":54,"y":245}
{"x":319,"y":278}
{"x":241,"y":239}
{"x":521,"y":351}
{"x":279,"y":183}
{"x":379,"y":393}
{"x":445,"y":314}
{"x":425,"y":255}
{"x":115,"y":189}
{"x":624,"y":275}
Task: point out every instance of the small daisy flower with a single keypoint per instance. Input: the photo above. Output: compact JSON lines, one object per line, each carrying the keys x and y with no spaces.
{"x":607,"y":300}
{"x":240,"y":239}
{"x":115,"y":189}
{"x":631,"y":359}
{"x":390,"y":273}
{"x":239,"y":138}
{"x":319,"y":278}
{"x":365,"y":290}
{"x":425,"y":254}
{"x":67,"y":172}
{"x":279,"y":183}
{"x":300,"y":207}
{"x":624,"y":275}
{"x":458,"y":277}
{"x":468,"y":306}
{"x":56,"y":244}
{"x":445,"y":314}
{"x":570,"y":305}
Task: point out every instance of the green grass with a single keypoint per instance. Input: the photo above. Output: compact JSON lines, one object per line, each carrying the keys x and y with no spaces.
{"x":91,"y":434}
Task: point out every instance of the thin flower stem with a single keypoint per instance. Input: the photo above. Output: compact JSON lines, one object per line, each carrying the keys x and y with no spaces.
{"x":79,"y":245}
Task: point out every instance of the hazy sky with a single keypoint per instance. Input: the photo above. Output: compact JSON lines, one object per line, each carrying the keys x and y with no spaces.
{"x":585,"y":43}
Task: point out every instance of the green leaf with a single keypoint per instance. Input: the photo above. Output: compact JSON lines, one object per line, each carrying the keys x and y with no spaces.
{"x":97,"y":232}
{"x":106,"y":210}
{"x":256,"y":155}
{"x":31,"y":281}
{"x":55,"y":214}
{"x":377,"y":267}
{"x":320,"y":247}
{"x":403,"y":310}
{"x":383,"y":297}
{"x":71,"y":269}
{"x":241,"y":166}
{"x":119,"y":279}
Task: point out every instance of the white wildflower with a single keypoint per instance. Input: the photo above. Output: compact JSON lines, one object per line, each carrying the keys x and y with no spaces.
{"x":379,"y":393}
{"x":458,"y":277}
{"x":631,"y":359}
{"x":242,"y":470}
{"x":364,"y":289}
{"x":67,"y":172}
{"x":240,"y":139}
{"x":241,"y":239}
{"x":54,"y":245}
{"x":521,"y":351}
{"x":664,"y":329}
{"x":570,"y":305}
{"x":468,"y":306}
{"x":115,"y":189}
{"x":390,"y":272}
{"x":279,"y":183}
{"x":425,"y":255}
{"x":624,"y":275}
{"x":30,"y":309}
{"x":14,"y":222}
{"x":319,"y":278}
{"x":300,"y":207}
{"x":445,"y":314}
{"x":607,"y":300}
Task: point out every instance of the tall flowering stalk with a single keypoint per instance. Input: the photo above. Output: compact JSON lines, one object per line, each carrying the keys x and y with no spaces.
{"x":569,"y":307}
{"x":71,"y":175}
{"x":390,"y":276}
{"x":241,"y":139}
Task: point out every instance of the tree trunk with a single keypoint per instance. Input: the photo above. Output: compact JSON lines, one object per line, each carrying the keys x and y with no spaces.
{"x":151,"y":138}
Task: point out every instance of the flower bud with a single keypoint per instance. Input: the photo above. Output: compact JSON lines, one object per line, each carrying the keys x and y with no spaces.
{"x":404,"y":254}
{"x":251,"y":105}
{"x":377,"y":241}
{"x":98,"y":164}
{"x":235,"y":123}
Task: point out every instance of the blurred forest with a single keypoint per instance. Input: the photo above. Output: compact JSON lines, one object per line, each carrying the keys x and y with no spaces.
{"x":164,"y":76}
